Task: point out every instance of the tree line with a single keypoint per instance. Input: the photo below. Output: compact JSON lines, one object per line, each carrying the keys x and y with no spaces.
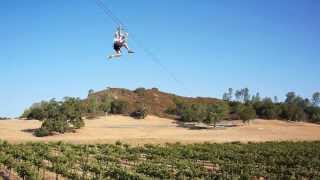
{"x":293,"y":108}
{"x":67,"y":115}
{"x":240,"y":104}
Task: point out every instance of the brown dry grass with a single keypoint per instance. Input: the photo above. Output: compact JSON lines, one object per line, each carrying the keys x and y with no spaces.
{"x":159,"y":130}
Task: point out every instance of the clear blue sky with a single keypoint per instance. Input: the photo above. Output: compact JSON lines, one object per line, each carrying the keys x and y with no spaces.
{"x":58,"y":48}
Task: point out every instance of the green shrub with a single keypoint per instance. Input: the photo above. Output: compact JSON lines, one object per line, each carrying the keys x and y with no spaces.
{"x":267,"y":109}
{"x":140,"y":91}
{"x":313,"y":113}
{"x":140,"y":113}
{"x":247,"y":113}
{"x":154,"y":170}
{"x":41,"y":132}
{"x":105,"y":104}
{"x":235,"y":109}
{"x":118,"y":143}
{"x":25,"y":171}
{"x":194,"y":113}
{"x":292,"y":112}
{"x":171,"y":110}
{"x":119,"y":107}
{"x":216,"y":113}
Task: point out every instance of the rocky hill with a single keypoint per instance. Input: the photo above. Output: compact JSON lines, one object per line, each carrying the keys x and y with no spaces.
{"x":156,"y":101}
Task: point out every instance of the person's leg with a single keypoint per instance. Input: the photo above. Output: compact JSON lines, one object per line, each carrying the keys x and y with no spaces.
{"x":127,"y":47}
{"x":117,"y":50}
{"x":117,"y":54}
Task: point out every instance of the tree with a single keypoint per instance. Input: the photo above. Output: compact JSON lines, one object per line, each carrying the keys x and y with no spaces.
{"x":245,"y":94}
{"x":92,"y":104}
{"x":37,"y":111}
{"x":216,"y":113}
{"x":90,"y":92}
{"x":316,"y":99}
{"x":290,"y":97}
{"x":72,"y":109}
{"x":256,"y":98}
{"x":267,"y":109}
{"x":235,"y":108}
{"x":247,"y":113}
{"x":228,"y":95}
{"x":225,"y":97}
{"x":194,"y":113}
{"x":105,"y":104}
{"x":313,"y":113}
{"x":61,"y":116}
{"x":119,"y":107}
{"x":238,"y":95}
{"x":292,"y":112}
{"x":242,"y":95}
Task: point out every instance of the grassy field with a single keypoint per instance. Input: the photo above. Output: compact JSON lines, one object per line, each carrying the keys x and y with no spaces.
{"x":157,"y":130}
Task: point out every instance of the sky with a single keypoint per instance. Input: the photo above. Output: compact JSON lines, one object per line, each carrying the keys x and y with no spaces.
{"x":53,"y":49}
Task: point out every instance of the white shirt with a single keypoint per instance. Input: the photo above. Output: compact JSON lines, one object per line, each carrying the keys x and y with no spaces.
{"x":120,"y":38}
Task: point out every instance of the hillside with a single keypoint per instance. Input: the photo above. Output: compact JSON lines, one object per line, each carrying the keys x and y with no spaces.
{"x":157,"y":102}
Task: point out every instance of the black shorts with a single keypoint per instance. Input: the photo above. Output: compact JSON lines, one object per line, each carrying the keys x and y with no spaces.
{"x":117,"y":46}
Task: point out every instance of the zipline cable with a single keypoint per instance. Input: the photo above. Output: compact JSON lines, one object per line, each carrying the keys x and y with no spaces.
{"x":109,"y":13}
{"x":153,"y":57}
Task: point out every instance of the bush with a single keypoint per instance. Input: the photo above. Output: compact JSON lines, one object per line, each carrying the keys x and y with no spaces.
{"x":140,"y":91}
{"x":140,"y":113}
{"x":267,"y":109}
{"x":235,"y":109}
{"x":247,"y":113}
{"x":119,"y":107}
{"x":292,"y":112}
{"x":105,"y":104}
{"x":180,"y":105}
{"x":41,"y":132}
{"x":313,"y":114}
{"x":171,"y":111}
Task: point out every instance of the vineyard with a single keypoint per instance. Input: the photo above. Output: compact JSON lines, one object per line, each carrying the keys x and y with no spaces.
{"x":274,"y":160}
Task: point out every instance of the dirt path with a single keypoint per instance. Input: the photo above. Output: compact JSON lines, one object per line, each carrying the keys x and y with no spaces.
{"x":158,"y":130}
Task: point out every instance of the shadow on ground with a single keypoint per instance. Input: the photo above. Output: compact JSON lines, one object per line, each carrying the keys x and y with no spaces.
{"x":201,"y":126}
{"x":29,"y":130}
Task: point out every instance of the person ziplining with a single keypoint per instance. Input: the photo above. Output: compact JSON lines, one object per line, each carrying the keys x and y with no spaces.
{"x":120,"y":40}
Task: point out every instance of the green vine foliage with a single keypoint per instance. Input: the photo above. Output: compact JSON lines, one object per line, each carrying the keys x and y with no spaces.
{"x":270,"y":160}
